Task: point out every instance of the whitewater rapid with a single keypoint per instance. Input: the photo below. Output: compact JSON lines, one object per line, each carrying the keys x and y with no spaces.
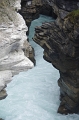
{"x":34,"y":95}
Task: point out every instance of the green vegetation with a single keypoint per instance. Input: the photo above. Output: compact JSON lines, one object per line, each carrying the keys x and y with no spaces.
{"x":73,"y":16}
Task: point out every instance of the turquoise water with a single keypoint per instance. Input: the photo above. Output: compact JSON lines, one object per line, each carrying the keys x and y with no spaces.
{"x":34,"y":95}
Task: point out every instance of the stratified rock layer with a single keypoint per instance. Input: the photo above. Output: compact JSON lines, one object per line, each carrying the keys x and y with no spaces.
{"x":30,"y":9}
{"x":60,"y":40}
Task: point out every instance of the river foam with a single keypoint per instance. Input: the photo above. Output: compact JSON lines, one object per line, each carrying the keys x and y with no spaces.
{"x":34,"y":95}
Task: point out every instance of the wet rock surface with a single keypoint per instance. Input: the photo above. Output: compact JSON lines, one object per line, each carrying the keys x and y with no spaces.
{"x":60,"y":42}
{"x":30,"y":9}
{"x":30,"y":53}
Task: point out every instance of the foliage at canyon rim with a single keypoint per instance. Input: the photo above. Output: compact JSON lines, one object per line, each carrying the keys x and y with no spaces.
{"x":73,"y":16}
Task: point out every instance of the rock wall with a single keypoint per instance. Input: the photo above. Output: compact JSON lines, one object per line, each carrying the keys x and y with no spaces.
{"x":12,"y":42}
{"x":60,"y":40}
{"x":30,"y":9}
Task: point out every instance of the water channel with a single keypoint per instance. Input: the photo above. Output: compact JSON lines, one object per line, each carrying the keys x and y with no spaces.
{"x":34,"y":95}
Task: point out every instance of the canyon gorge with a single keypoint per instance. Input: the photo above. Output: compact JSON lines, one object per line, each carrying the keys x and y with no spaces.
{"x":58,"y":38}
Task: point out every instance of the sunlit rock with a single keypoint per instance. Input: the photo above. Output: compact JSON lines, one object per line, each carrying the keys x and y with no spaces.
{"x":12,"y":38}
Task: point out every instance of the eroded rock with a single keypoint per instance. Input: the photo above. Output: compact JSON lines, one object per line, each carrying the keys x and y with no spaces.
{"x":12,"y":38}
{"x":60,"y":42}
{"x":30,"y":9}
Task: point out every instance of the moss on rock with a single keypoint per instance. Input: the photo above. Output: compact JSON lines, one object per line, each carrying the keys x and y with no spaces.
{"x":73,"y":16}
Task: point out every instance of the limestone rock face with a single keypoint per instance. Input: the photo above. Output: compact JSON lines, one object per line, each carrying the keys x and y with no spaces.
{"x":60,"y":40}
{"x":13,"y":40}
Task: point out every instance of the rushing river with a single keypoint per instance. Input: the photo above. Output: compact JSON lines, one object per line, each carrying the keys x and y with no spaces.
{"x":34,"y":95}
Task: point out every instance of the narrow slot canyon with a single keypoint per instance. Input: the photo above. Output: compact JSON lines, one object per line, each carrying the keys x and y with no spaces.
{"x":51,"y":86}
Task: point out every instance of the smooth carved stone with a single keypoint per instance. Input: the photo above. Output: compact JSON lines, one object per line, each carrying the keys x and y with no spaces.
{"x":3,"y":94}
{"x":13,"y":40}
